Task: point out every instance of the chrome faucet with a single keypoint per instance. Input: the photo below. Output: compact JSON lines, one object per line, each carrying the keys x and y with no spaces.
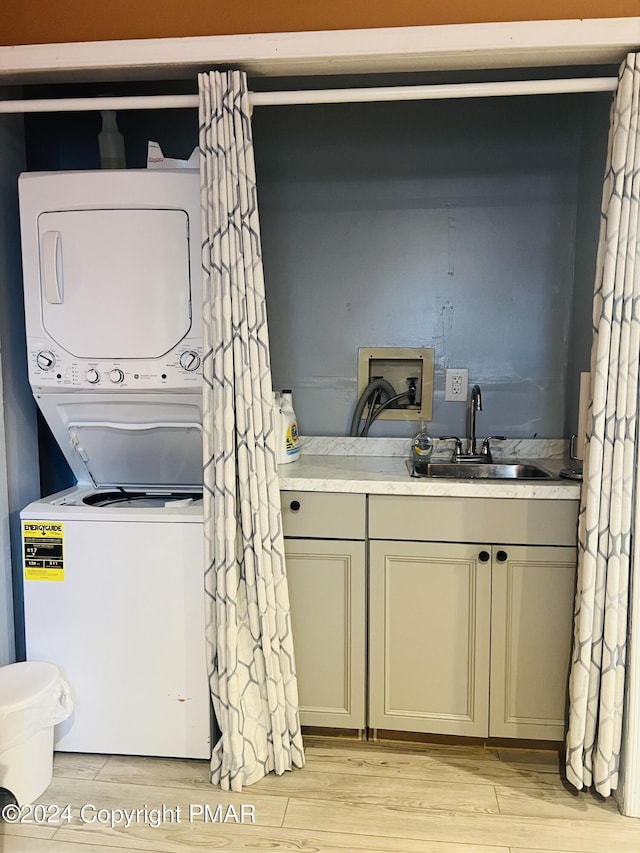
{"x":476,"y":406}
{"x":471,"y":454}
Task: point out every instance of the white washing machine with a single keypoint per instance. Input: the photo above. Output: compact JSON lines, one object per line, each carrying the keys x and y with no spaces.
{"x":113,"y":568}
{"x":114,"y":597}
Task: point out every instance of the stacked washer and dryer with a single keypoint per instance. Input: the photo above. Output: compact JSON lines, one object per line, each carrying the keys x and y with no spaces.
{"x":113,"y":567}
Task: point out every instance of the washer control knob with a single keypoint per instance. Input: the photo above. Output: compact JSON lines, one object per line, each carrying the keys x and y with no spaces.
{"x":45,"y":360}
{"x":189,"y":360}
{"x":116,"y":375}
{"x":93,"y":376}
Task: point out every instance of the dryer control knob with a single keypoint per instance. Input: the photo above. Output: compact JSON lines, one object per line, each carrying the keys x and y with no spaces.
{"x":116,"y":375}
{"x":93,"y":376}
{"x":45,"y":360}
{"x":190,"y":360}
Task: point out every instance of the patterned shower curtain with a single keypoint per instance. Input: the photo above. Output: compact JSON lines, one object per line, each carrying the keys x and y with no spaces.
{"x":250,"y":651}
{"x":596,"y":685}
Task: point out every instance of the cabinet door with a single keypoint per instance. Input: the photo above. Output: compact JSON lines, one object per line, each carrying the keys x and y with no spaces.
{"x":328,"y":600}
{"x":531,"y":631}
{"x":429,"y":637}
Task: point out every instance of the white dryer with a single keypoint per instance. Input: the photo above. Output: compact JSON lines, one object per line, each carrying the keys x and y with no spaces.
{"x":113,"y":296}
{"x":113,"y":568}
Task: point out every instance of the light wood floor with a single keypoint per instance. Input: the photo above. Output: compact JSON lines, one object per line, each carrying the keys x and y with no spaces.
{"x":350,"y":797}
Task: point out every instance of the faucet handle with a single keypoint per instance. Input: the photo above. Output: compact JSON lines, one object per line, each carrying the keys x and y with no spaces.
{"x":457,"y":453}
{"x":486,"y":447}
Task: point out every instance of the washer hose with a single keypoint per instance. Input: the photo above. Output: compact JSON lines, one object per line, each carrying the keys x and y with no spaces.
{"x":385,"y":388}
{"x":373,"y":415}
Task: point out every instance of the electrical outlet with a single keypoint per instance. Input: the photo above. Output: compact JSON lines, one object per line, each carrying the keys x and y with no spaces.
{"x":456,"y":384}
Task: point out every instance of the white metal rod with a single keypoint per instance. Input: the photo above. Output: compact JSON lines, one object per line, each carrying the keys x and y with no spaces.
{"x":435,"y":92}
{"x":323,"y":96}
{"x":77,"y":105}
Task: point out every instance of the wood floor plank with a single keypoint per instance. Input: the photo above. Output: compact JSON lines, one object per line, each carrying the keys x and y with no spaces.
{"x":25,"y":830}
{"x":78,"y":766}
{"x":462,"y":827}
{"x":479,"y":752}
{"x":529,"y":850}
{"x":530,"y":758}
{"x":269,"y":810}
{"x":236,"y":839}
{"x":391,"y":791}
{"x":438,"y":767}
{"x":18,"y":844}
{"x":538,"y":802}
{"x":171,"y":772}
{"x":392,"y":769}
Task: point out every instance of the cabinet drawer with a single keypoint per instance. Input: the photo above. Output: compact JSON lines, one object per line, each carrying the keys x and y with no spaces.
{"x":319,"y":515}
{"x":449,"y":519}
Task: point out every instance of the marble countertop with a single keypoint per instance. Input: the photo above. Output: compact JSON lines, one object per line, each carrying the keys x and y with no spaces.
{"x":350,"y":471}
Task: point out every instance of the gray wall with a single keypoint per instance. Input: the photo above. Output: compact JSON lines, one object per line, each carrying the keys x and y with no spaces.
{"x":18,"y":440}
{"x":468,"y":226}
{"x":442,"y":224}
{"x":595,"y":131}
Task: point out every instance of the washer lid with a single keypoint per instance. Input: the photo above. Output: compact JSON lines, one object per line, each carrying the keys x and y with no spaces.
{"x":115,"y":283}
{"x":139,"y":454}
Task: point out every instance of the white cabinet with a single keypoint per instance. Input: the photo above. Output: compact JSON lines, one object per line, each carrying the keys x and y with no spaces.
{"x":532,"y":600}
{"x":471,"y":638}
{"x":465,"y":636}
{"x":429,"y":635}
{"x":325,"y":554}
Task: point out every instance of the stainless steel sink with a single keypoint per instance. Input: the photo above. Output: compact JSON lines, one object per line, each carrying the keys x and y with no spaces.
{"x":478,"y":471}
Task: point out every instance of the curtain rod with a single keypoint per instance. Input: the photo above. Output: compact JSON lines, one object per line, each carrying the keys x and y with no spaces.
{"x":323,"y":96}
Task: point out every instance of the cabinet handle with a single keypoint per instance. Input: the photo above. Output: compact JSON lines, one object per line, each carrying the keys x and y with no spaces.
{"x":294,"y":506}
{"x":502,"y":556}
{"x":484,"y":556}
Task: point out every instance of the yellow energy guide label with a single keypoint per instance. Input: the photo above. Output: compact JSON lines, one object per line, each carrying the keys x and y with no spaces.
{"x":43,"y":550}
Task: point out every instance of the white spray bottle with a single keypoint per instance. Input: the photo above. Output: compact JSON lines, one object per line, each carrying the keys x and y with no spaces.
{"x":288,"y":441}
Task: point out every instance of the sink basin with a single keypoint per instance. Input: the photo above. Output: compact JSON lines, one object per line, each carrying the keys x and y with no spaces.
{"x":478,"y":471}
